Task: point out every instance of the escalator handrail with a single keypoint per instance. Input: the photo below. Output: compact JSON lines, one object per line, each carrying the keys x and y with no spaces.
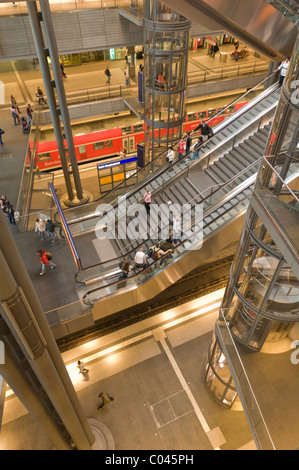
{"x":211,"y":209}
{"x":164,"y":257}
{"x":164,"y":168}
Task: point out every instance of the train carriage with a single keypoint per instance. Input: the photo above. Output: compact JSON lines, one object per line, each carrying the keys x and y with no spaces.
{"x":101,"y":145}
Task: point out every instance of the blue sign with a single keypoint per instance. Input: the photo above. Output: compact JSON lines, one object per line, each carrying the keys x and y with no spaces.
{"x":119,"y":162}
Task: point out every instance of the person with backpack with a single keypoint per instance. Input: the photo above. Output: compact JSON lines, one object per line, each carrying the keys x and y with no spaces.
{"x":45,"y":259}
{"x":50,"y":229}
{"x":108,"y":73}
{"x":157,"y":253}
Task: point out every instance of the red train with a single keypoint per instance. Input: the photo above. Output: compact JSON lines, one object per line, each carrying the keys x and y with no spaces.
{"x":105,"y":144}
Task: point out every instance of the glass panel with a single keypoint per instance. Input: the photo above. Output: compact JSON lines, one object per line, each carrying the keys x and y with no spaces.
{"x":98,"y":145}
{"x":126,"y":130}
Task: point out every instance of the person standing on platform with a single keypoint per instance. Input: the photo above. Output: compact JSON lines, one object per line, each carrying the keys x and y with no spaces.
{"x":1,"y":134}
{"x":215,"y":50}
{"x":283,"y":68}
{"x":147,"y":198}
{"x":15,"y":115}
{"x":108,"y":74}
{"x":40,"y":95}
{"x":45,"y":259}
{"x":14,"y":103}
{"x":62,"y":70}
{"x":40,"y":227}
{"x":127,"y":75}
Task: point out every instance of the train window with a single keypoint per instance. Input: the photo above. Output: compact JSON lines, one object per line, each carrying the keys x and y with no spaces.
{"x":98,"y":146}
{"x":138,"y":128}
{"x":192,"y":117}
{"x":82,"y":148}
{"x":126,"y":130}
{"x":231,"y":109}
{"x":211,"y":112}
{"x":109,"y":143}
{"x":44,"y":157}
{"x":202,"y":114}
{"x":219,"y":110}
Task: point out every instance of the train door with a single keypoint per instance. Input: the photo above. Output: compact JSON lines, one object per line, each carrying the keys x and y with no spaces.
{"x":129,"y":144}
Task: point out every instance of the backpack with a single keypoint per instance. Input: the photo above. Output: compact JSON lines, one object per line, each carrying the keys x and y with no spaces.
{"x":149,"y":252}
{"x":48,"y":255}
{"x":155,"y":255}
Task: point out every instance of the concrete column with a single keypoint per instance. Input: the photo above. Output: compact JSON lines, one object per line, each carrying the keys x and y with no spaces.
{"x":16,"y":312}
{"x":16,"y":377}
{"x":53,"y":50}
{"x":42,"y":56}
{"x":22,"y":279}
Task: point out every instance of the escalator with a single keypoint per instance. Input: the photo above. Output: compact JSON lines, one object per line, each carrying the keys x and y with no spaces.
{"x":256,"y":23}
{"x":229,"y":178}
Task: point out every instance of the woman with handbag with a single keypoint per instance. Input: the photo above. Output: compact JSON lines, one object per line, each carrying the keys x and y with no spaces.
{"x":45,"y":259}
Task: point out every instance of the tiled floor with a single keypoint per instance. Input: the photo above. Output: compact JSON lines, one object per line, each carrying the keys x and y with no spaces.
{"x":160,"y":401}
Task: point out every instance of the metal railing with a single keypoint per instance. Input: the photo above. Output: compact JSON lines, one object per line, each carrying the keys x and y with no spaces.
{"x":242,"y":383}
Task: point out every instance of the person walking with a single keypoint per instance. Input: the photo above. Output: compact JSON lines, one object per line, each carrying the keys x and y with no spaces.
{"x":50,"y":229}
{"x":283,"y":68}
{"x":108,"y":74}
{"x":10,"y":212}
{"x":1,"y":134}
{"x":3,"y":201}
{"x":106,"y":399}
{"x":81,"y":367}
{"x":15,"y":115}
{"x":127,"y":75}
{"x":45,"y":259}
{"x":62,"y":70}
{"x":147,"y":198}
{"x":215,"y":50}
{"x":40,"y":95}
{"x":14,"y":103}
{"x":29,"y":112}
{"x":40,"y":227}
